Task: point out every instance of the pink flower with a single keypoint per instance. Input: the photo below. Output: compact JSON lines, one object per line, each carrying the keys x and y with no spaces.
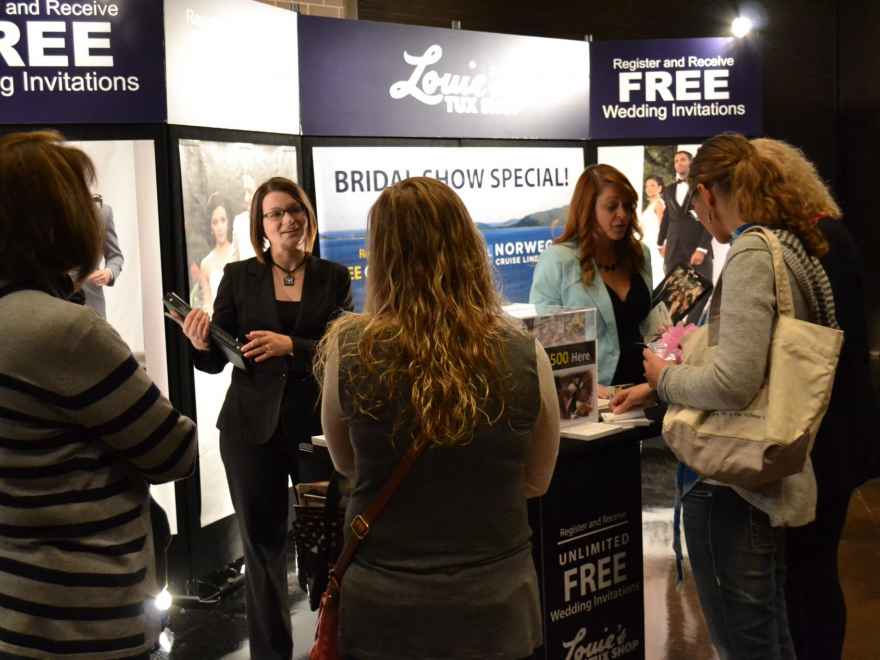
{"x":673,"y":337}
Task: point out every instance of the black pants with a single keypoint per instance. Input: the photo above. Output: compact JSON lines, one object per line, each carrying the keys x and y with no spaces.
{"x":816,"y":607}
{"x":257,"y":476}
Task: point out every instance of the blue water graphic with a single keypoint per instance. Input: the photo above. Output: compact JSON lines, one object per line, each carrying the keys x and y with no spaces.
{"x":514,"y":252}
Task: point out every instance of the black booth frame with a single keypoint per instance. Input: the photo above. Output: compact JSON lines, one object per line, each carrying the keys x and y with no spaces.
{"x":197,"y":551}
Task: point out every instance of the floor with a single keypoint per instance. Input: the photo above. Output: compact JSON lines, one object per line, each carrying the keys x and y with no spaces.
{"x":674,"y":625}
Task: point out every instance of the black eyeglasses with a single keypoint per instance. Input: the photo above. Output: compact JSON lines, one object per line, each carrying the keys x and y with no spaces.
{"x":278,"y":214}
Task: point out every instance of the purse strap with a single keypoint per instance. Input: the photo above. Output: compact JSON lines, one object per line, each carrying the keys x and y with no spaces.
{"x":784,"y":300}
{"x":361,"y":523}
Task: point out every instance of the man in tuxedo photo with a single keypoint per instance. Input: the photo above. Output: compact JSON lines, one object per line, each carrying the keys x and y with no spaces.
{"x":682,"y":239}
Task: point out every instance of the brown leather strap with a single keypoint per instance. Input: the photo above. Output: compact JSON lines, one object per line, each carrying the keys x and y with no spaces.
{"x":360,"y":524}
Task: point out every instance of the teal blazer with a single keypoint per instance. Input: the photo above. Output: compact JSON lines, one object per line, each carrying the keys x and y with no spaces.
{"x":557,"y":284}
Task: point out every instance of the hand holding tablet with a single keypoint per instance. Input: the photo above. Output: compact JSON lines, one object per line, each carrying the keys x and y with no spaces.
{"x":197,"y":327}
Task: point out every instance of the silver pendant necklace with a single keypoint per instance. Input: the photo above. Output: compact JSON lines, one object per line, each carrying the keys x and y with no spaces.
{"x":289,"y":275}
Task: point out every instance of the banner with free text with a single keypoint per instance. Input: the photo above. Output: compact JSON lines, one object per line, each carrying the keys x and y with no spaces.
{"x":81,"y":61}
{"x":674,"y":88}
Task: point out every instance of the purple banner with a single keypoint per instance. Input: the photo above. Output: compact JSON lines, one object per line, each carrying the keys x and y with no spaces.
{"x":674,"y":88}
{"x":381,"y":79}
{"x":81,"y":61}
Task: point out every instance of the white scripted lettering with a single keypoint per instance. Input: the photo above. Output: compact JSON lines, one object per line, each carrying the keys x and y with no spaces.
{"x":462,"y":94}
{"x":410,"y":87}
{"x":580,"y":650}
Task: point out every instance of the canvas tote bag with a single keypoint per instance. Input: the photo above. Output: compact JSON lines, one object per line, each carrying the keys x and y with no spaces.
{"x":771,"y":437}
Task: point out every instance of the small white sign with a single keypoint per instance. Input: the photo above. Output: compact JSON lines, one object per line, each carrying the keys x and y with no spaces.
{"x":232,"y":64}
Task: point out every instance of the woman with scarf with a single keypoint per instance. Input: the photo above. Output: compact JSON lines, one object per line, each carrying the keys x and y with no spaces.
{"x":736,"y":537}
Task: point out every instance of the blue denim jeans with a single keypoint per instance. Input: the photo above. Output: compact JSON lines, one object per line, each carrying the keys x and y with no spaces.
{"x":738,"y":561}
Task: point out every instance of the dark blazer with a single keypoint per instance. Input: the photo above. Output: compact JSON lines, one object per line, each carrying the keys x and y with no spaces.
{"x":246,"y":301}
{"x":682,"y":233}
{"x":113,"y":260}
{"x":847,"y":452}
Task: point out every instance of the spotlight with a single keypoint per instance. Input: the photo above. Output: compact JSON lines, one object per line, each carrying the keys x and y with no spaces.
{"x":166,"y":641}
{"x":241,"y":570}
{"x":741,"y":26}
{"x":163,"y":600}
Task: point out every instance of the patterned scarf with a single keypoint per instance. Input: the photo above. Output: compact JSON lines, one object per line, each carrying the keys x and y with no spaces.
{"x":811,"y":278}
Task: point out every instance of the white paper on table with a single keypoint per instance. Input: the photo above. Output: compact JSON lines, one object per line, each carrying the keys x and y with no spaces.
{"x":590,"y":430}
{"x":628,"y":417}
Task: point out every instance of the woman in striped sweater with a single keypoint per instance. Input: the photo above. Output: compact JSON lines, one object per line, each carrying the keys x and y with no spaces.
{"x":83,"y":430}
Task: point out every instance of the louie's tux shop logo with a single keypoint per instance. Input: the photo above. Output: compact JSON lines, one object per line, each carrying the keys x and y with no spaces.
{"x":363,"y":78}
{"x":460,"y":93}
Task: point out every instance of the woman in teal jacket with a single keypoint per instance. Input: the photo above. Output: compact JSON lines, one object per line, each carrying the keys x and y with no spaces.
{"x":599,"y":261}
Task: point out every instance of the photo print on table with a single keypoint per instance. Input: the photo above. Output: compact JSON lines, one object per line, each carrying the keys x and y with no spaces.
{"x":569,"y":337}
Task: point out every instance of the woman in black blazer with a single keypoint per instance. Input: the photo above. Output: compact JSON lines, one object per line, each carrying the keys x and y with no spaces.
{"x":279,"y":303}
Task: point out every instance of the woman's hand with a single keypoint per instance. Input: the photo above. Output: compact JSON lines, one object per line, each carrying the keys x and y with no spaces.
{"x":654,"y":366}
{"x":196,"y":327}
{"x":631,"y":397}
{"x":264,"y":344}
{"x":603,"y":392}
{"x":101,"y":277}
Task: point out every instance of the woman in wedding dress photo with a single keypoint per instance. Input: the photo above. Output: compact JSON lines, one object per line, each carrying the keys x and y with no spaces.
{"x":223,"y":252}
{"x":650,"y":219}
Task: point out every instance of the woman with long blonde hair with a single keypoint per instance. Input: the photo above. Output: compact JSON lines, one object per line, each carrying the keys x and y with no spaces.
{"x":447,"y":571}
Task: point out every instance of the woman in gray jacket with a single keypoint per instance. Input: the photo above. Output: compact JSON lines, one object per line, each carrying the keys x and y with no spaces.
{"x":735,"y":537}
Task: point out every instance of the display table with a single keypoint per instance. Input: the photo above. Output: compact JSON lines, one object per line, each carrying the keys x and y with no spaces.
{"x":587,"y":544}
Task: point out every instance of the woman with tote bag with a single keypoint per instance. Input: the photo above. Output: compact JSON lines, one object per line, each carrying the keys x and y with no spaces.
{"x":734,"y":523}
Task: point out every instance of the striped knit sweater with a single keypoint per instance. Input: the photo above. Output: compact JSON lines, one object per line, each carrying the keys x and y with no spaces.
{"x":83,"y":431}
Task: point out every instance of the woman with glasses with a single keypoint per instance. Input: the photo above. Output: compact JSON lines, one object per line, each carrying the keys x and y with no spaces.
{"x":736,"y":536}
{"x":278,"y":303}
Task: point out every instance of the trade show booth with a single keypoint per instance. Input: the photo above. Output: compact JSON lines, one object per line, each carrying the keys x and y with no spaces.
{"x":186,"y":106}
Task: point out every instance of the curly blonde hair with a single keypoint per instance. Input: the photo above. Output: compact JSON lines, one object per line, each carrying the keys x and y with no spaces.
{"x":433,"y":327}
{"x":762,"y":193}
{"x":802,"y":175}
{"x":581,"y":225}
